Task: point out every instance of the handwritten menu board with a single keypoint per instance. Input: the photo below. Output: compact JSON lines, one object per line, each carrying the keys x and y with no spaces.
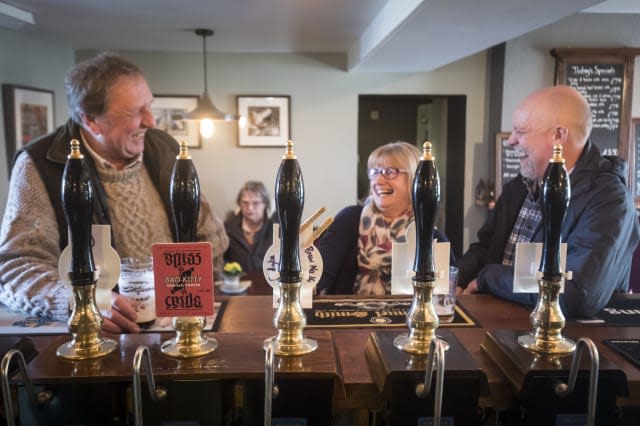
{"x":601,"y":85}
{"x":605,"y":77}
{"x":507,"y":163}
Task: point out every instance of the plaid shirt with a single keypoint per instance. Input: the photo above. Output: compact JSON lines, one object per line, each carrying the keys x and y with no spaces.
{"x":528,"y":220}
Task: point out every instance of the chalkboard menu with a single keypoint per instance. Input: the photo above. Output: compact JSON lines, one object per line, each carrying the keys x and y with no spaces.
{"x":507,"y":163}
{"x":605,"y":79}
{"x":601,"y":85}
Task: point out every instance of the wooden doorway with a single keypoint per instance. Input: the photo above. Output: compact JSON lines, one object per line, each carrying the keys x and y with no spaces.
{"x":440,"y":119}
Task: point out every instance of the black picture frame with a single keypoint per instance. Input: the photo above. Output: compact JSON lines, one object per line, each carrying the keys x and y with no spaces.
{"x":268,"y":120}
{"x":28,"y":113}
{"x":168,"y":113}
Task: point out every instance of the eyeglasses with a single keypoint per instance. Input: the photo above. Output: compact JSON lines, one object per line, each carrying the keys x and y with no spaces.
{"x":389,"y":173}
{"x":247,"y":204}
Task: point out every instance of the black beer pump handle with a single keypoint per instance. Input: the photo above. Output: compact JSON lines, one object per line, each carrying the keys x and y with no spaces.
{"x":77,"y":201}
{"x":184,"y":197}
{"x":289,"y":204}
{"x":426,"y":196}
{"x":556,"y":193}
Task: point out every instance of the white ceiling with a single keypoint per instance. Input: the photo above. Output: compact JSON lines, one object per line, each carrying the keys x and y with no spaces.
{"x":374,"y":35}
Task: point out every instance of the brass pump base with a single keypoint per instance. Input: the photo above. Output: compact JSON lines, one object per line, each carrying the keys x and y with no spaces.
{"x":84,"y":325}
{"x":422,"y":321}
{"x":297,"y":347}
{"x":189,"y":341}
{"x":548,"y":321}
{"x":76,"y":352}
{"x":558,"y":346}
{"x":290,"y":321}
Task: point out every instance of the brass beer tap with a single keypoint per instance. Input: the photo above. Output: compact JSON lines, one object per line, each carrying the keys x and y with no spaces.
{"x":85,"y":322}
{"x":184,"y":197}
{"x":422,"y":319}
{"x":547,"y":317}
{"x":290,"y":319}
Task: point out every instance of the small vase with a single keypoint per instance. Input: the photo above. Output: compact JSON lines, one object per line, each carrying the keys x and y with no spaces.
{"x":231,"y":280}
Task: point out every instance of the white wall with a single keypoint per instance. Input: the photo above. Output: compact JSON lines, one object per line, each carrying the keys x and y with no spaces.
{"x":529,"y":65}
{"x":26,"y":61}
{"x":324,"y":117}
{"x":324,"y":102}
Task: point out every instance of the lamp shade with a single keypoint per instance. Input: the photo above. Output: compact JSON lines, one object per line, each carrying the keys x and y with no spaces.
{"x":206,"y":110}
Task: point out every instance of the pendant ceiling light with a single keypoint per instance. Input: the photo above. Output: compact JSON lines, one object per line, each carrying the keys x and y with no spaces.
{"x":206,"y":111}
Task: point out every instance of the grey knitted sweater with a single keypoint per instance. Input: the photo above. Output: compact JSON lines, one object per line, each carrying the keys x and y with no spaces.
{"x":29,"y":237}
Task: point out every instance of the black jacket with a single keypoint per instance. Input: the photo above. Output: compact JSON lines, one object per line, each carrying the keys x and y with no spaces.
{"x":250,"y":258}
{"x":600,"y":228}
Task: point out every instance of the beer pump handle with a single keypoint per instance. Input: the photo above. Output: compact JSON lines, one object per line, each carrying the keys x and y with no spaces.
{"x":77,"y":203}
{"x":556,"y":193}
{"x":289,"y":193}
{"x":425,"y":199}
{"x":184,"y":197}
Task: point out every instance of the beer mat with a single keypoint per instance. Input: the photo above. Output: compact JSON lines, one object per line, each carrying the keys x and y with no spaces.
{"x":358,"y":313}
{"x":630,"y":348}
{"x":19,"y":323}
{"x":620,"y":311}
{"x":164,"y":324}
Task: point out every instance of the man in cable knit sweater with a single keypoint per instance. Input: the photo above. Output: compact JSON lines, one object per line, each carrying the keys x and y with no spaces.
{"x":130,"y":164}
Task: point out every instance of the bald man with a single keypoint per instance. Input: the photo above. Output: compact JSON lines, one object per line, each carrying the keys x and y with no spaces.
{"x":600,"y":228}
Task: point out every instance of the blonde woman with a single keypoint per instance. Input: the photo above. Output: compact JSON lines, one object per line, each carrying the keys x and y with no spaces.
{"x":356,"y":249}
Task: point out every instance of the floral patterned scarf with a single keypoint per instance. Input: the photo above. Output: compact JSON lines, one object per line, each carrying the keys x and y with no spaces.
{"x":374,"y":249}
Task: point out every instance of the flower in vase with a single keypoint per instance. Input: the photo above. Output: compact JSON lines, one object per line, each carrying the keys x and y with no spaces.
{"x":232,"y":269}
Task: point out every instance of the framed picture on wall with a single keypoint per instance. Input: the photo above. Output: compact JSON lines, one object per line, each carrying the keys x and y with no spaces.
{"x":267,"y":120}
{"x":28,"y":113}
{"x":168,"y":112}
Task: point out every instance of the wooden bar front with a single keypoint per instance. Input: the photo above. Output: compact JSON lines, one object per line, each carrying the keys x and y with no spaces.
{"x":248,"y":320}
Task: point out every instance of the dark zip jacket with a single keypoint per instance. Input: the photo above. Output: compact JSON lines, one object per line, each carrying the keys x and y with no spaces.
{"x":600,"y":228}
{"x":250,"y":258}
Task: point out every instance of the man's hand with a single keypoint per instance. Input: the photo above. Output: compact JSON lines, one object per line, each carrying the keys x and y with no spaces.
{"x":121,"y":318}
{"x":472,"y":288}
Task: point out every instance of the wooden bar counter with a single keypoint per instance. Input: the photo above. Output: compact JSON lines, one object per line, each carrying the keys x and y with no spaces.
{"x":489,"y":312}
{"x":237,"y":356}
{"x":248,"y":320}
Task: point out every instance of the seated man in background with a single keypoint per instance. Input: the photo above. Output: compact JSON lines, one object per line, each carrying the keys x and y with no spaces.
{"x":356,"y":248}
{"x":600,"y":228}
{"x":249,"y":228}
{"x":130,"y":164}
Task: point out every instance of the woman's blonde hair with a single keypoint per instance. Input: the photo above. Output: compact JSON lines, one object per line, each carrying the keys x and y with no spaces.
{"x":401,"y":154}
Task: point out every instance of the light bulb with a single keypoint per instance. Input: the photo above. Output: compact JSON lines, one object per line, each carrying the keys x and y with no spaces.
{"x":207,"y":128}
{"x":242,"y":122}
